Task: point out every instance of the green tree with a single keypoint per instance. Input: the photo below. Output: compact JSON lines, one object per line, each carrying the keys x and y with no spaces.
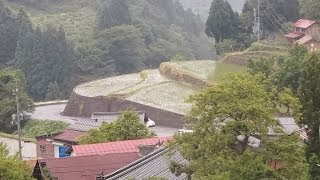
{"x":310,"y":9}
{"x":53,"y":92}
{"x":113,"y":13}
{"x":309,"y":92}
{"x":126,"y":127}
{"x":230,"y":138}
{"x":13,"y":168}
{"x":8,"y":81}
{"x":222,"y":21}
{"x":290,"y":70}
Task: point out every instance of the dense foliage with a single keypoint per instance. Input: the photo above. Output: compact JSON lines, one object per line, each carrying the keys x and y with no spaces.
{"x":13,"y":168}
{"x":309,"y":93}
{"x":34,"y":128}
{"x":230,"y":138}
{"x":310,"y":9}
{"x":127,"y":127}
{"x":9,"y":80}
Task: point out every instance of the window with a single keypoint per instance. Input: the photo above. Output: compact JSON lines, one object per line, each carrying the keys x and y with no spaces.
{"x":43,"y":148}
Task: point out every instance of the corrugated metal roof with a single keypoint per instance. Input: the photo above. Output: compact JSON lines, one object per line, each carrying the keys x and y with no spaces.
{"x":69,"y":135}
{"x":118,"y":146}
{"x":304,"y":23}
{"x":97,"y":119}
{"x":304,"y":40}
{"x":87,"y":167}
{"x":156,"y":164}
{"x":112,"y":116}
{"x":293,"y":35}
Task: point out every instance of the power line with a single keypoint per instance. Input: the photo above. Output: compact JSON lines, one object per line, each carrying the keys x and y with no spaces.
{"x":273,"y":9}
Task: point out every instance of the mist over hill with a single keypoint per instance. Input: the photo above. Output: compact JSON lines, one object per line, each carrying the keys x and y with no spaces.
{"x":202,"y":7}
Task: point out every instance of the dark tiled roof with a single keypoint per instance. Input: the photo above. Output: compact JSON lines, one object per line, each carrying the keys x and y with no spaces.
{"x":118,"y":146}
{"x":293,"y":35}
{"x":154,"y":165}
{"x":87,"y":167}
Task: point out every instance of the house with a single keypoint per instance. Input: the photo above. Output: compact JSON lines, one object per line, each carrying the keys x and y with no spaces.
{"x":118,"y":146}
{"x":82,"y":167}
{"x":57,"y":144}
{"x":305,"y":32}
{"x":156,"y":164}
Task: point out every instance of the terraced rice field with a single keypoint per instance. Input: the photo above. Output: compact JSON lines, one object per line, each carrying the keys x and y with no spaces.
{"x":151,"y":88}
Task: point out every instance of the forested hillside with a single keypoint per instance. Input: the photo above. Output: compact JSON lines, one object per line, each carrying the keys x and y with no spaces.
{"x":60,"y":43}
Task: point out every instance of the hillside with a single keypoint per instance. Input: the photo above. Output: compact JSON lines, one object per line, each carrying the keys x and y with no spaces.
{"x":108,"y":38}
{"x":263,"y":49}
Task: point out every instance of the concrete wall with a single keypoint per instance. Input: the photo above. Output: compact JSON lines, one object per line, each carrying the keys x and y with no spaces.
{"x":81,"y":106}
{"x":49,"y":148}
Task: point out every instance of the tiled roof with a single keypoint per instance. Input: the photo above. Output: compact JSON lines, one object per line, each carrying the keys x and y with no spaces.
{"x":293,"y":35}
{"x":303,"y":23}
{"x":69,"y":135}
{"x":304,"y":40}
{"x":289,"y":126}
{"x":156,"y":164}
{"x":87,"y":167}
{"x":119,"y":146}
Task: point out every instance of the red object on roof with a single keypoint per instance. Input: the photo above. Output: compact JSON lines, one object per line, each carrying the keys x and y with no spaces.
{"x":304,"y":40}
{"x":118,"y":146}
{"x":293,"y":35}
{"x":69,"y":136}
{"x":304,"y":23}
{"x":87,"y":167}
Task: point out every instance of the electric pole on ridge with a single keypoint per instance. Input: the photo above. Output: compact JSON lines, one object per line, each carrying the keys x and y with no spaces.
{"x":16,"y":93}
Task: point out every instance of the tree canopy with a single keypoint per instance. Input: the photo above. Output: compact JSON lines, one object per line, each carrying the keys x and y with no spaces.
{"x":9,"y":79}
{"x":127,"y":127}
{"x":309,"y":92}
{"x":230,"y":138}
{"x":310,"y":9}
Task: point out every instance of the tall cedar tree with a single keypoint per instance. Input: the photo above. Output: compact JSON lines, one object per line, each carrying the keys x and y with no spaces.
{"x":8,"y":34}
{"x":310,"y":97}
{"x":310,"y":9}
{"x":222,"y":21}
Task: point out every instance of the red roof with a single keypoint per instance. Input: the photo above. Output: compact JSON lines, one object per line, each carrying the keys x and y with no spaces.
{"x":87,"y":167}
{"x":304,"y":23}
{"x":119,"y":146}
{"x":293,"y":35}
{"x":304,"y":40}
{"x":69,"y":136}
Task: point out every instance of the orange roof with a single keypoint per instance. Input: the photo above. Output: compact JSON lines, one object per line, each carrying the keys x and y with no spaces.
{"x":118,"y":146}
{"x":304,"y":23}
{"x":304,"y":40}
{"x":293,"y":35}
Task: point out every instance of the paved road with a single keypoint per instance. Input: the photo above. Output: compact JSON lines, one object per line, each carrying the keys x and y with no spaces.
{"x":28,"y":149}
{"x":52,"y":112}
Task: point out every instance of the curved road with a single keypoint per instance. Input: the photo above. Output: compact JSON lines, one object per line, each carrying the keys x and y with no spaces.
{"x":52,"y":112}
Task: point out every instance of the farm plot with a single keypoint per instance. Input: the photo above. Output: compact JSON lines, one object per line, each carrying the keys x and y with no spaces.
{"x":170,"y":96}
{"x":108,"y":86}
{"x":200,"y":69}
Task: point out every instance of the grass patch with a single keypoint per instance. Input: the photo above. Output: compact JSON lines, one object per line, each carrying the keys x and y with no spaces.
{"x":225,"y":68}
{"x":35,"y":128}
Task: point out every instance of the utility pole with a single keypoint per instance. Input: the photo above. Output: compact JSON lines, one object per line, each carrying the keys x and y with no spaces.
{"x":258,"y":20}
{"x":16,"y":93}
